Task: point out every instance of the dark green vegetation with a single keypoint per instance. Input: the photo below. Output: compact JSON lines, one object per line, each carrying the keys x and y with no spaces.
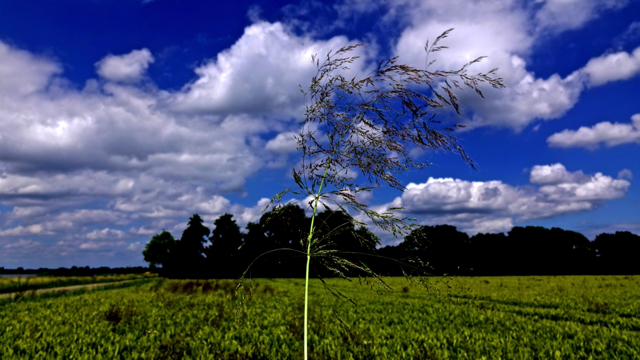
{"x":572,"y":317}
{"x":21,"y":284}
{"x":76,"y":271}
{"x":523,"y":251}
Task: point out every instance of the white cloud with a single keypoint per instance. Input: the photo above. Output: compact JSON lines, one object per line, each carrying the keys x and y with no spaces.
{"x":486,"y":206}
{"x":260,"y":74}
{"x":216,"y":205}
{"x":284,"y":143}
{"x":562,"y":15}
{"x":143,"y":230}
{"x":601,"y":133}
{"x":500,"y":31}
{"x":22,"y":244}
{"x":22,"y":73}
{"x":105,"y":234}
{"x":555,"y":174}
{"x":244,"y":215}
{"x":35,"y":229}
{"x":484,"y":225}
{"x":613,"y":67}
{"x":125,"y":68}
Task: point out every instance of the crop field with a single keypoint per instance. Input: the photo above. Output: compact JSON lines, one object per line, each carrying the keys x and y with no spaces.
{"x":16,"y":284}
{"x":571,"y":317}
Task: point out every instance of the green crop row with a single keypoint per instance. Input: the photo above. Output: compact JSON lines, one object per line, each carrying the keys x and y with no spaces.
{"x":464,"y":318}
{"x":21,"y":284}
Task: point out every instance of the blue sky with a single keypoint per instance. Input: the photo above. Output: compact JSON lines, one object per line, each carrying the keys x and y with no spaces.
{"x":122,"y":118}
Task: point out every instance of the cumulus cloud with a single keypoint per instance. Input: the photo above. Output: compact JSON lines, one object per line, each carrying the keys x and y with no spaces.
{"x":490,"y":206}
{"x":601,"y":133}
{"x":613,"y":67}
{"x":125,"y":68}
{"x":555,"y":174}
{"x":259,"y":74}
{"x":283,"y":143}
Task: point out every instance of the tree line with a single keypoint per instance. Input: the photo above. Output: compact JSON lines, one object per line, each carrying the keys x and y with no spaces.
{"x":75,"y":271}
{"x":273,"y":249}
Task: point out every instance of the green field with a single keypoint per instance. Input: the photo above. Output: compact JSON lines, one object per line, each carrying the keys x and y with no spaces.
{"x":571,"y":317}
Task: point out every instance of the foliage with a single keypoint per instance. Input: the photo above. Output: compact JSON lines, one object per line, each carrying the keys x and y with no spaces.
{"x":619,"y":251}
{"x":222,"y":254}
{"x":530,"y":250}
{"x":158,"y":250}
{"x":187,"y":256}
{"x":573,"y":317}
{"x":276,"y":230}
{"x":194,"y":236}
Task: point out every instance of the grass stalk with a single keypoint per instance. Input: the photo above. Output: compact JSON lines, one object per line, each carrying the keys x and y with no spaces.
{"x":309,"y":239}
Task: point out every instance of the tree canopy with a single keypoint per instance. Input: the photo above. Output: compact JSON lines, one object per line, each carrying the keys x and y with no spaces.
{"x":158,"y":250}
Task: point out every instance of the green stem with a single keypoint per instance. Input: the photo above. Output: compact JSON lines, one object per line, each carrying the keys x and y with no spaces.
{"x":313,"y":217}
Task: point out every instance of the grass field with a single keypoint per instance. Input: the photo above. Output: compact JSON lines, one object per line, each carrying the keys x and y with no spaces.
{"x":572,"y":317}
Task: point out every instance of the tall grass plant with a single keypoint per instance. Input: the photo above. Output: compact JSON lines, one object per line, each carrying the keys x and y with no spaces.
{"x":368,"y":129}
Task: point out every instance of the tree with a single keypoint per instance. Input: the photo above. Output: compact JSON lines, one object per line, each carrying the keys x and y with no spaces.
{"x":157,"y":252}
{"x":195,"y":235}
{"x":283,"y":229}
{"x":369,"y":127}
{"x":442,"y":246}
{"x":527,"y":249}
{"x":222,"y":254}
{"x":490,"y":253}
{"x":339,"y":234}
{"x":190,"y":248}
{"x":617,"y":253}
{"x":573,"y":253}
{"x":535,"y":250}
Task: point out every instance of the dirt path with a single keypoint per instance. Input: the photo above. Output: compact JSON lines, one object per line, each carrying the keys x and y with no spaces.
{"x":64,"y":288}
